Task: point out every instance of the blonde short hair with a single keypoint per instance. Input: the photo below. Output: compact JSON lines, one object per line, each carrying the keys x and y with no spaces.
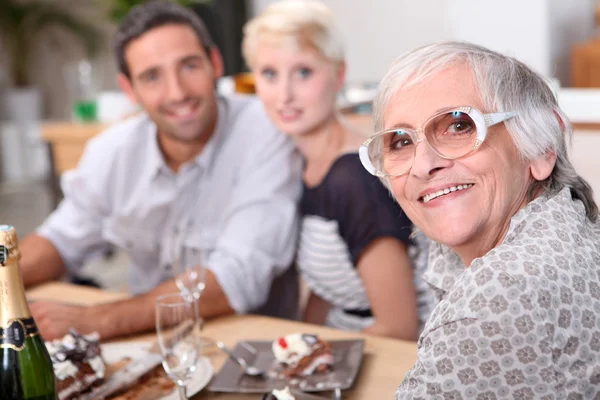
{"x":303,"y":24}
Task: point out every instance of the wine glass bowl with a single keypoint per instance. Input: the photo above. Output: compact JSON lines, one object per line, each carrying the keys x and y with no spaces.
{"x":180,"y":361}
{"x":187,"y":260}
{"x":177,"y":330}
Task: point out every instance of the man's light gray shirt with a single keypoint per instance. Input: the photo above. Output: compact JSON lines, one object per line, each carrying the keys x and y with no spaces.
{"x":236,"y":201}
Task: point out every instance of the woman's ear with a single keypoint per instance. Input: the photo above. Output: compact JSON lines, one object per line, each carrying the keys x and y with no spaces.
{"x":542,"y":167}
{"x":560,"y":121}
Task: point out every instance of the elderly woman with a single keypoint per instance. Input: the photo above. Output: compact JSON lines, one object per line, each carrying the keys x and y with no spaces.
{"x":474,"y":148}
{"x":355,"y":239}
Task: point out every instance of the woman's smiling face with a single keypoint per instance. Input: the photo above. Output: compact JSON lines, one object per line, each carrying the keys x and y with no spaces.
{"x":297,"y":86}
{"x":485,"y":188}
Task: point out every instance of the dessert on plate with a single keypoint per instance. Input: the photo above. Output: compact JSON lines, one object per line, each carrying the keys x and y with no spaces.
{"x":77,"y":362}
{"x":283,"y":394}
{"x":152,"y":385}
{"x":301,"y":355}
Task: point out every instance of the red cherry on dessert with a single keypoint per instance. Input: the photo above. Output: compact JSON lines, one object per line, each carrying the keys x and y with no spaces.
{"x":283,"y":343}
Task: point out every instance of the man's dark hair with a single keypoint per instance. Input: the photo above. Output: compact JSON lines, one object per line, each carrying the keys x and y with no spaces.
{"x":153,"y":14}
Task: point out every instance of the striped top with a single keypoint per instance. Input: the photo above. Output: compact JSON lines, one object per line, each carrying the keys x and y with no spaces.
{"x":340,"y":217}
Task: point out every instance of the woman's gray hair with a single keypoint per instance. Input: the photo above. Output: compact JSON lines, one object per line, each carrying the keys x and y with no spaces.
{"x":505,"y":84}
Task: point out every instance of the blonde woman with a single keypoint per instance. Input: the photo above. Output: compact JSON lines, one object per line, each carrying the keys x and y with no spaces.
{"x":354,"y":246}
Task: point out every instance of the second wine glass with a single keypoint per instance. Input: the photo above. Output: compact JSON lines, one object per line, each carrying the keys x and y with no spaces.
{"x":187,"y":260}
{"x":177,"y":330}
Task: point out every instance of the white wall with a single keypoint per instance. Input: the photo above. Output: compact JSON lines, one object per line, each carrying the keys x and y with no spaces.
{"x":584,"y":155}
{"x":377,"y":31}
{"x":513,"y":27}
{"x":539,"y":32}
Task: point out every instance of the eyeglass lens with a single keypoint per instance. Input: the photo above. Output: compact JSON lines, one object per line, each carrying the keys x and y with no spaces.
{"x":451,"y":135}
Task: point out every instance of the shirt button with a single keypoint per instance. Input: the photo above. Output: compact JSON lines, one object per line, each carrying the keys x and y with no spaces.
{"x":168,"y":267}
{"x":129,"y":244}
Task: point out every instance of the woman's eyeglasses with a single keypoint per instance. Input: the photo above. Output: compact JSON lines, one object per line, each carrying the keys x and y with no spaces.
{"x":451,"y":134}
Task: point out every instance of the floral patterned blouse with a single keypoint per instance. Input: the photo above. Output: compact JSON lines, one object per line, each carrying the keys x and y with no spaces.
{"x":523,"y":321}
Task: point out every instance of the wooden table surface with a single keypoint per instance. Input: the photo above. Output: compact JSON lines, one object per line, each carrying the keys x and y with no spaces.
{"x":386,"y":361}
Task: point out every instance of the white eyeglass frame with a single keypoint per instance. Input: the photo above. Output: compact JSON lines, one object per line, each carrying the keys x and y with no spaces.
{"x":482,"y":122}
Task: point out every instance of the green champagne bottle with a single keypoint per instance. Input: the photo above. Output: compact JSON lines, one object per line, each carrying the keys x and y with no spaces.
{"x":26,"y":371}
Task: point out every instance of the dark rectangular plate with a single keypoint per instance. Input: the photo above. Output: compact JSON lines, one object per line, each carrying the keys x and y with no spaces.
{"x":348,"y":355}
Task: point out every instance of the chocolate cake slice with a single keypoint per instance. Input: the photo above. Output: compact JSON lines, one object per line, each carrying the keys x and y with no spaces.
{"x":77,"y":362}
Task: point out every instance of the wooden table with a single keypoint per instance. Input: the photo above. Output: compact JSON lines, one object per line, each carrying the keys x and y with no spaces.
{"x":385,"y":363}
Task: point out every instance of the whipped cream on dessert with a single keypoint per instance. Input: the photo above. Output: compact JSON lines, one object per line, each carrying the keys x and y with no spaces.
{"x":283,"y":394}
{"x":291,"y":348}
{"x":77,"y":363}
{"x":302,"y":355}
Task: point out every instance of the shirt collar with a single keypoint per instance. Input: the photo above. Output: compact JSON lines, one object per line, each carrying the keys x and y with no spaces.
{"x":206,"y":157}
{"x":156,"y":161}
{"x":445,"y":266}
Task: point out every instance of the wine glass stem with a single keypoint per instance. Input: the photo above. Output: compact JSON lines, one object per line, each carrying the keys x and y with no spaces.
{"x":182,"y":391}
{"x":196,"y":296}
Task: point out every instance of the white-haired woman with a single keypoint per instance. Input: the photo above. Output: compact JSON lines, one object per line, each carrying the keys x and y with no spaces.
{"x":353,"y":250}
{"x":474,"y":147}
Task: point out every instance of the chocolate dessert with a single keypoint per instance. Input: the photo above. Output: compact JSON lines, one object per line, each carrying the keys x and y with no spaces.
{"x":302,"y":355}
{"x":77,"y":362}
{"x":155,"y":384}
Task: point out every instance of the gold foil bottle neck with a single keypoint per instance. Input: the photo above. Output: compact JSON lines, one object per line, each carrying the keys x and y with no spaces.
{"x":9,"y":245}
{"x":13,"y":304}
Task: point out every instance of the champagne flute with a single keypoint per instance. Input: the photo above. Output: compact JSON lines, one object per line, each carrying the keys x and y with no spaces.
{"x":177,"y":332}
{"x":187,"y":260}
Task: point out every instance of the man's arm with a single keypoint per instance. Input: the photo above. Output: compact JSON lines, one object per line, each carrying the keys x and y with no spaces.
{"x":74,"y":230}
{"x":40,"y":260}
{"x":138,"y":314}
{"x":259,"y":235}
{"x":122,"y":318}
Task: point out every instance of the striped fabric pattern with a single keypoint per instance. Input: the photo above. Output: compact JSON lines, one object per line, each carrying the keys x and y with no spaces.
{"x":326,"y":265}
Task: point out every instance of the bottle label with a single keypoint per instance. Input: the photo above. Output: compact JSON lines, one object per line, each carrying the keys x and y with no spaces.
{"x":13,"y":336}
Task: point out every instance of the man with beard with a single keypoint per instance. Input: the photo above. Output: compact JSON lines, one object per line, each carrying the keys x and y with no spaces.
{"x":195,"y":173}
